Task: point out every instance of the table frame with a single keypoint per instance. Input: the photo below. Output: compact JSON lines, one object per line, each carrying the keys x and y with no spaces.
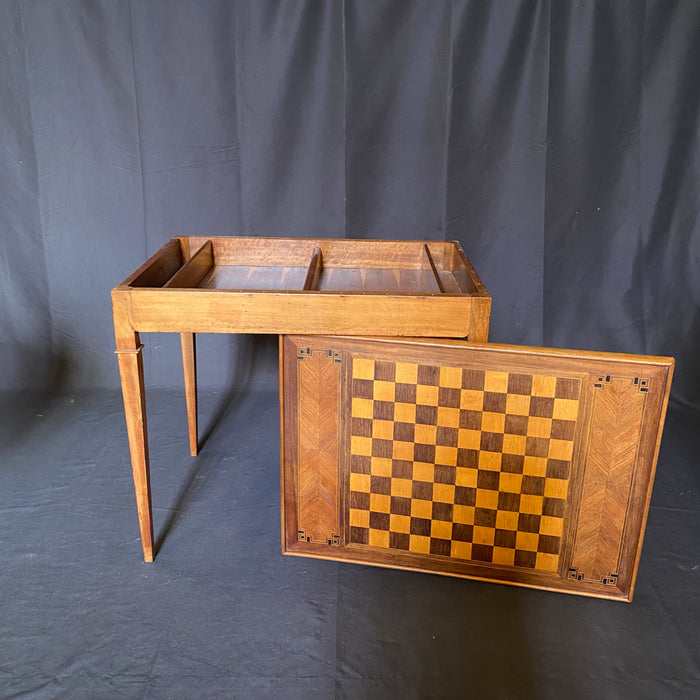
{"x":145,"y":303}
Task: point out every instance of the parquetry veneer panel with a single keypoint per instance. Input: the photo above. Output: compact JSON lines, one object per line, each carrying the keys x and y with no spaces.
{"x":318,"y":446}
{"x":518,"y":465}
{"x":470,"y":464}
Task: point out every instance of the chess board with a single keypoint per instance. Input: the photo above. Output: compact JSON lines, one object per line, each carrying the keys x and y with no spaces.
{"x":521,"y":465}
{"x":462,"y":463}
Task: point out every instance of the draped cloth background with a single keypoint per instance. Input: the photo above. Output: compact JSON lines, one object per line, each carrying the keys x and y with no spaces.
{"x":557,"y":141}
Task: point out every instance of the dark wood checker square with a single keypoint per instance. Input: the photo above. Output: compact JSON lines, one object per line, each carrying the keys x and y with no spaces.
{"x":461,"y":463}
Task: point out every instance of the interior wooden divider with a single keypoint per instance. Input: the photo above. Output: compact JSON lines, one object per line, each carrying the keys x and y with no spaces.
{"x":314,"y":271}
{"x":158,"y":268}
{"x":440,"y":253}
{"x":192,"y":272}
{"x":433,"y":268}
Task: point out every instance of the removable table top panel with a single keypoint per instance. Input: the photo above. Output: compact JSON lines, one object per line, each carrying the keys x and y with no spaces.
{"x":527,"y":466}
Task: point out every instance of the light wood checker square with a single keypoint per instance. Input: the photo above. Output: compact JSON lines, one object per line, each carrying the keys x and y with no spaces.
{"x":462,"y":463}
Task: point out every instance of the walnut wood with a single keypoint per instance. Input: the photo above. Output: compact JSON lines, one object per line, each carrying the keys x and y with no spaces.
{"x":340,"y":252}
{"x":314,"y":271}
{"x":254,"y":277}
{"x":464,"y":270}
{"x":530,"y":354}
{"x":131,"y":373}
{"x":283,"y":438}
{"x":192,"y":272}
{"x":318,"y":379}
{"x":189,"y":366}
{"x":438,"y":281}
{"x":480,"y":319}
{"x":186,"y":287}
{"x":383,"y":288}
{"x":610,"y":433}
{"x":372,"y":280}
{"x":614,"y":435}
{"x":641,"y":488}
{"x":220,"y":311}
{"x":156,"y":271}
{"x":289,"y":447}
{"x":448,"y":282}
{"x":442,"y":254}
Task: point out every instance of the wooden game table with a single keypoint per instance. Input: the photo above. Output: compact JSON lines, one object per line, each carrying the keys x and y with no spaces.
{"x":407,"y":440}
{"x":278,"y":286}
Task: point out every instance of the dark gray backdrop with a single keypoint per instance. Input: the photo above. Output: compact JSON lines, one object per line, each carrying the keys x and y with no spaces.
{"x":557,"y":141}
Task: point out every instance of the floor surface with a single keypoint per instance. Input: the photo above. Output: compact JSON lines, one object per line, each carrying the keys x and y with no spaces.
{"x":222,"y":614}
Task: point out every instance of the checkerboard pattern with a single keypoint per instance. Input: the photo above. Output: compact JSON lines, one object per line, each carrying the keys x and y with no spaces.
{"x":463,"y":463}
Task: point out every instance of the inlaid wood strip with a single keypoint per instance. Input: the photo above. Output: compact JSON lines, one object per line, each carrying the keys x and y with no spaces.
{"x":615,"y":430}
{"x":318,"y":406}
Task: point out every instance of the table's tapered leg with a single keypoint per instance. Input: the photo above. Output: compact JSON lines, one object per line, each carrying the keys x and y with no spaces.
{"x":189,"y":365}
{"x":131,"y":371}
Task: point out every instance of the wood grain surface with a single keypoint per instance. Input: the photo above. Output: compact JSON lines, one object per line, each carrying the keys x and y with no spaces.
{"x":196,"y":284}
{"x":257,"y":285}
{"x":518,"y":465}
{"x":318,"y":441}
{"x":221,"y":311}
{"x":618,"y":410}
{"x":130,"y":357}
{"x":189,"y":367}
{"x":190,"y":274}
